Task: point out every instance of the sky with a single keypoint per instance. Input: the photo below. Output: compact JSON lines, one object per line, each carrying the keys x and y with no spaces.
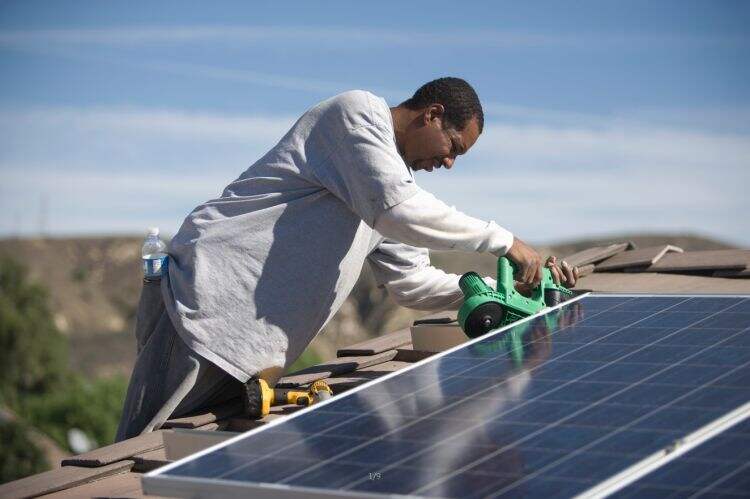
{"x":602,"y":117}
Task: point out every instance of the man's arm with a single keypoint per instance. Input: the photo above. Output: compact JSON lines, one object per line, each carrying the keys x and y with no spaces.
{"x":408,"y":276}
{"x":411,"y":280}
{"x":425,"y":221}
{"x":422,"y":220}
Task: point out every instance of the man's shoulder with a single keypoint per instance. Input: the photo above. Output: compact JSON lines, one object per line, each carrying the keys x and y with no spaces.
{"x":360,"y":108}
{"x":355,"y":98}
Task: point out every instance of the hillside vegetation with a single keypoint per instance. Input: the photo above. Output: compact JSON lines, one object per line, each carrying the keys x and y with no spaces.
{"x":41,"y":397}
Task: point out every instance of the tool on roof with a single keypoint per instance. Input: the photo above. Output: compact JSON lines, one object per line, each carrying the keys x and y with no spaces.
{"x":485,"y":309}
{"x":259,"y":397}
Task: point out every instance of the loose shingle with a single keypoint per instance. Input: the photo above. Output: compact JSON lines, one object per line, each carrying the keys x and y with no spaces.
{"x":385,"y":367}
{"x":597,"y":254}
{"x":637,"y":258}
{"x":60,"y":479}
{"x":649,"y":282}
{"x":118,"y":451}
{"x":410,"y":355}
{"x":377,"y":345}
{"x":150,"y":460}
{"x":182,"y":442}
{"x":122,"y":485}
{"x":702,"y":260}
{"x":223,"y":411}
{"x":732,"y":273}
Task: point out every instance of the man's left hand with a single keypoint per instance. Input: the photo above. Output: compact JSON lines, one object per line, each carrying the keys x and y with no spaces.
{"x":564,"y":274}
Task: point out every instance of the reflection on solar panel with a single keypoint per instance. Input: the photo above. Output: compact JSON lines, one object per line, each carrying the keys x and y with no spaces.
{"x":552,"y":407}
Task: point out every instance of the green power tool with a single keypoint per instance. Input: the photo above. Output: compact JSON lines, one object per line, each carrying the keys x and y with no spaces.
{"x":486,"y":309}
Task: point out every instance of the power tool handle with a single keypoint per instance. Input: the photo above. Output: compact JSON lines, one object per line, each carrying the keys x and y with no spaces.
{"x":506,"y":270}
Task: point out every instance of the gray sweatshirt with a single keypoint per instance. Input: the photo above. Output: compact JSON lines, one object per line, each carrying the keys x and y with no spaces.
{"x":255,"y":274}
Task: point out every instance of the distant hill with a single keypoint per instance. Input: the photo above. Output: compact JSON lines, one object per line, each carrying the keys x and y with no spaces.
{"x":95,"y":282}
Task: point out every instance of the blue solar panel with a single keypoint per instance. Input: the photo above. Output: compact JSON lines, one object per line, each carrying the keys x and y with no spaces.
{"x":550,"y":407}
{"x":718,"y":467}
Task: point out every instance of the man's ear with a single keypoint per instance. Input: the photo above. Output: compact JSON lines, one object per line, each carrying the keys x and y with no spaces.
{"x":434,"y":112}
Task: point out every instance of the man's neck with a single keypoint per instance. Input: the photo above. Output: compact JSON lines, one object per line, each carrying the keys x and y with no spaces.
{"x":402,"y":117}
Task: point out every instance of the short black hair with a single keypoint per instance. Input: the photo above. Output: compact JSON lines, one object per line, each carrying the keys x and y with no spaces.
{"x":459,"y":99}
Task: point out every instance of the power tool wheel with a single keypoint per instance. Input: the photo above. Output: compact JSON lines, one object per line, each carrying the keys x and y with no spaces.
{"x":484,"y":319}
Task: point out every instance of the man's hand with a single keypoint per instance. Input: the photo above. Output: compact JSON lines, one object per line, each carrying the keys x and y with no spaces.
{"x":563,"y":274}
{"x":529,"y":262}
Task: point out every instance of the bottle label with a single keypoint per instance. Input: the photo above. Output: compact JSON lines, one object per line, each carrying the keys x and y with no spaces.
{"x":154,"y":267}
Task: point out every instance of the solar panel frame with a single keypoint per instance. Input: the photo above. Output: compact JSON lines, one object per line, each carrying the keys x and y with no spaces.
{"x":718,"y":467}
{"x":158,"y":482}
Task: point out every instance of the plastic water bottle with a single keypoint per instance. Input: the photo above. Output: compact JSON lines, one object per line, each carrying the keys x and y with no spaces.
{"x":154,"y":254}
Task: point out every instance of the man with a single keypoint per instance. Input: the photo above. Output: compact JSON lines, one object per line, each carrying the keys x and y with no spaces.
{"x":255,"y":274}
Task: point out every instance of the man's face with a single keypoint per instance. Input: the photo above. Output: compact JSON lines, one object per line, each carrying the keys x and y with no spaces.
{"x":433,"y":142}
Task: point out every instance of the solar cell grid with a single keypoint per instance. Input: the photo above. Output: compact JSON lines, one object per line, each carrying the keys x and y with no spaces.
{"x":603,"y":383}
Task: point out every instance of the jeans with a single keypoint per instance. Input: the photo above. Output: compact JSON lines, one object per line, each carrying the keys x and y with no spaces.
{"x":169,"y":379}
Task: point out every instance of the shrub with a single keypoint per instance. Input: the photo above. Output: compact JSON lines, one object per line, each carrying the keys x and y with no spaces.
{"x":19,"y":457}
{"x":91,"y":406}
{"x":36,"y":382}
{"x":33,"y":353}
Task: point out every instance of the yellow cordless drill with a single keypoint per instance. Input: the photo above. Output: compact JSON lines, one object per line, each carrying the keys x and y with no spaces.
{"x":259,"y":397}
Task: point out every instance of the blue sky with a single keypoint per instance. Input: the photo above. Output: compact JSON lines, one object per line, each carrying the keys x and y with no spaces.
{"x":602,"y":117}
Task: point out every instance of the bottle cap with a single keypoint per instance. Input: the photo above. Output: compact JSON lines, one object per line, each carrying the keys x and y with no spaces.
{"x":153,"y":231}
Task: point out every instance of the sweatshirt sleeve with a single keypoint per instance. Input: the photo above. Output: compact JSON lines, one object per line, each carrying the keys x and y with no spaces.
{"x":423,"y":220}
{"x":411,"y":280}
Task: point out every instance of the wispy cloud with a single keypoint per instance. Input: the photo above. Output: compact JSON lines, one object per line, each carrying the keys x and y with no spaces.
{"x":122,"y":169}
{"x":611,"y":148}
{"x":726,"y":119}
{"x":176,"y":123}
{"x":264,"y":79}
{"x":147,"y":35}
{"x":112,"y":138}
{"x":106,"y":169}
{"x":345,"y":38}
{"x":207,"y":71}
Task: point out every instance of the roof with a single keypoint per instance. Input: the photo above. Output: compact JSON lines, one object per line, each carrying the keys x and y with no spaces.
{"x":115,"y":469}
{"x":622,"y":268}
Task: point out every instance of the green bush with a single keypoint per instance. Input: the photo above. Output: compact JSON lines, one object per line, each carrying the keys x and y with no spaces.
{"x":19,"y":456}
{"x":91,"y":406}
{"x":36,"y":382}
{"x":33,"y":354}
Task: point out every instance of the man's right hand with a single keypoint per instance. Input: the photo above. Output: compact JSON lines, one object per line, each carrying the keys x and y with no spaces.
{"x":529,"y":262}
